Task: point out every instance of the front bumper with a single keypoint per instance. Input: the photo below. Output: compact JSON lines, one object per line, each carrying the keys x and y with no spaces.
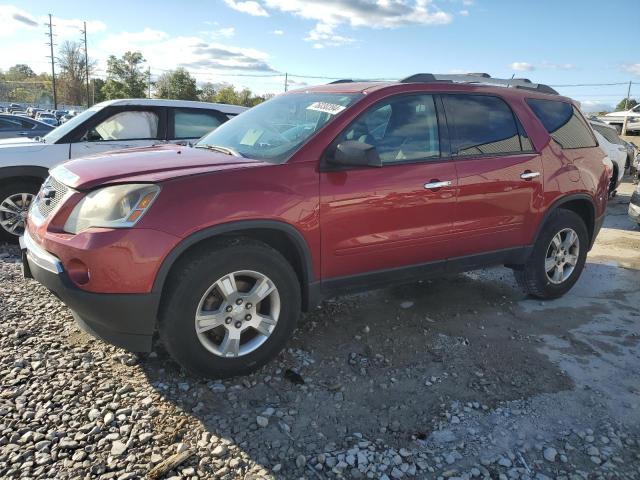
{"x":124,"y":320}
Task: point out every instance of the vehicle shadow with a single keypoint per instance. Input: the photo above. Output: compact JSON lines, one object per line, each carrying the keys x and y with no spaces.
{"x":389,"y":363}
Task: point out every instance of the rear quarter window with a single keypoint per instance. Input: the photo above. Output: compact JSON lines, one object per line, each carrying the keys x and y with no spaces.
{"x":563,"y":123}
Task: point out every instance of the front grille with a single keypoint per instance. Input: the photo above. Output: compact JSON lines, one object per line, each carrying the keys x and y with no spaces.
{"x":50,"y":195}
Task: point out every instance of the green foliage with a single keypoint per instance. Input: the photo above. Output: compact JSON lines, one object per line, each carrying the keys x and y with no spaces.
{"x":20,"y":72}
{"x":176,"y":84}
{"x":20,"y":84}
{"x":228,"y":94}
{"x":125,"y":77}
{"x":629,"y":105}
{"x":95,"y":90}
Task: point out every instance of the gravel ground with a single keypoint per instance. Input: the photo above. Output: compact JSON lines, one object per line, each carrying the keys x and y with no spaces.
{"x":460,"y":377}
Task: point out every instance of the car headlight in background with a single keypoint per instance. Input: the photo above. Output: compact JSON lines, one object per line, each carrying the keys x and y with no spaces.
{"x":118,"y":206}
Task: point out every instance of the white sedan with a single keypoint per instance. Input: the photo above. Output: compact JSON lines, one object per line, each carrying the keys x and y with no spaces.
{"x":111,"y":125}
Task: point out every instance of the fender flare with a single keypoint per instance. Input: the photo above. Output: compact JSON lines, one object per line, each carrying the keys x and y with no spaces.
{"x":291,"y":232}
{"x":561,"y":201}
{"x":24,"y":171}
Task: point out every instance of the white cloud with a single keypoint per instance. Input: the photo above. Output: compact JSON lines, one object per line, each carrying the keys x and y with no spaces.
{"x":632,"y":68}
{"x":277,"y":32}
{"x":250,"y":6}
{"x":323,"y":34}
{"x":13,"y":19}
{"x":225,"y":32}
{"x":591,"y":106}
{"x":522,"y":66}
{"x":356,"y":13}
{"x":464,"y":13}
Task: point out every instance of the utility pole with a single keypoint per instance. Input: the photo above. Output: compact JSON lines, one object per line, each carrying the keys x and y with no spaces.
{"x":86,"y":62}
{"x":626,"y":100}
{"x":286,"y":81}
{"x":53,"y":68}
{"x":149,"y":81}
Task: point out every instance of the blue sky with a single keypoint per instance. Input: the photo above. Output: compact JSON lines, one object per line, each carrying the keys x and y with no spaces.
{"x":235,"y":41}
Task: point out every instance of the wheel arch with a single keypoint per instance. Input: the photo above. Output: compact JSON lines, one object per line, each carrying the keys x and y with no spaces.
{"x":281,"y":236}
{"x":580,"y":203}
{"x":21,"y":173}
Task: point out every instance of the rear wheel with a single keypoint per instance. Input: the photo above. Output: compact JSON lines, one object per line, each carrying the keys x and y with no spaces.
{"x":230,"y":309}
{"x":15,"y":200}
{"x":558,"y":256}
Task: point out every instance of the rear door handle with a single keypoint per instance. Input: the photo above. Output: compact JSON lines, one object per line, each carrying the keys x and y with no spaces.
{"x":529,"y":175}
{"x":437,"y":184}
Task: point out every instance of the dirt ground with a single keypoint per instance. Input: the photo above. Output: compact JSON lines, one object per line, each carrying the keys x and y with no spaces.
{"x":459,"y":377}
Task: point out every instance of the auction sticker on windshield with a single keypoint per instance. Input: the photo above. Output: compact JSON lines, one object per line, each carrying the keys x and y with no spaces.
{"x":330,"y":108}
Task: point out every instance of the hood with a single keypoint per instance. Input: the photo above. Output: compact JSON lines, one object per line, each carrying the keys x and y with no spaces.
{"x":146,"y":164}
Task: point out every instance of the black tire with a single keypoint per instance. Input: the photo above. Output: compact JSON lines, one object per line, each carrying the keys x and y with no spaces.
{"x":532,"y":276}
{"x":193,"y":276}
{"x":6,"y":191}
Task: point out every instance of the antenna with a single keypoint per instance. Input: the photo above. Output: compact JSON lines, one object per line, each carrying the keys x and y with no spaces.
{"x":53,"y":61}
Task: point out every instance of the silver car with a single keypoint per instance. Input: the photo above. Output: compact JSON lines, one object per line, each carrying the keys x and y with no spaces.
{"x":16,"y":126}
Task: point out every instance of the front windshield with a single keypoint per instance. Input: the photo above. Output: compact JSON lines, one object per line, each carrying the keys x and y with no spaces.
{"x":274,"y":130}
{"x":57,"y":133}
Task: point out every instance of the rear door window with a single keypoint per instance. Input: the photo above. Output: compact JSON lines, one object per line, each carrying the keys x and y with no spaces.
{"x":194,"y":123}
{"x":564,"y":123}
{"x":608,"y":133}
{"x":9,"y":125}
{"x":482,"y":125}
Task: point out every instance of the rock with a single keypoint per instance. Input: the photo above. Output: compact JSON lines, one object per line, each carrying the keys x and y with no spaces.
{"x":118,"y":448}
{"x":301,"y":461}
{"x":405,"y":305}
{"x":219,"y":451}
{"x":262,"y":421}
{"x":550,"y":454}
{"x":505,"y":462}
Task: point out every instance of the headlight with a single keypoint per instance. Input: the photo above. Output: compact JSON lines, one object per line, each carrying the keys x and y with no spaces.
{"x":119,"y":206}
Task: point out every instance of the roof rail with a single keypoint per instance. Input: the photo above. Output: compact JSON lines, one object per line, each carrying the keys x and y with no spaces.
{"x":482,"y":78}
{"x":343,"y":80}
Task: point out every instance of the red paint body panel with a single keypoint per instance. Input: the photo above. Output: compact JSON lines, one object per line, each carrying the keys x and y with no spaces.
{"x":354,"y":221}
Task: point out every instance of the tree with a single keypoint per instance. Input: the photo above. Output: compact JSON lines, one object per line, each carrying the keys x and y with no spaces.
{"x":95,"y":90}
{"x":20,"y":72}
{"x":176,"y":84}
{"x":208,"y":92}
{"x":227,"y":94}
{"x":72,"y":78}
{"x":125,"y":77}
{"x":621,"y":106}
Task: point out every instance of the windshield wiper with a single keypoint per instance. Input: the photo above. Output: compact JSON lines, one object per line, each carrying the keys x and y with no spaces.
{"x":218,"y":148}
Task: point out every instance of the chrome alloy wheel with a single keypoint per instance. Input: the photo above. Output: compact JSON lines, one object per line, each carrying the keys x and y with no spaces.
{"x":237,"y":314}
{"x":13,"y":212}
{"x":562,"y":256}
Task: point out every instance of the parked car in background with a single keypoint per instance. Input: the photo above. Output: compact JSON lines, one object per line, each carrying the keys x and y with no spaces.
{"x":48,"y":118}
{"x":615,"y":148}
{"x":12,"y":126}
{"x":111,"y":125}
{"x":314,"y":193}
{"x":616,"y":119}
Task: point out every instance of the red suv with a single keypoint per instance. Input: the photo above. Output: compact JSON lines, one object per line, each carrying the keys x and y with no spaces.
{"x":318,"y":192}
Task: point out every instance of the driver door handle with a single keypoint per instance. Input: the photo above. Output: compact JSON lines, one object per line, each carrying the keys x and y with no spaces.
{"x":435,"y":184}
{"x":529,"y":175}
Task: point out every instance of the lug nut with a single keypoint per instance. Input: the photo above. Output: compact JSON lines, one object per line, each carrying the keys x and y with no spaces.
{"x":227,"y":320}
{"x":238,"y":324}
{"x":247,"y":317}
{"x":229,"y":308}
{"x":239,"y":301}
{"x":249,"y":306}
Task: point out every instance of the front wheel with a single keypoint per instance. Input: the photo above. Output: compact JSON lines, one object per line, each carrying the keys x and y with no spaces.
{"x":15,"y":200}
{"x":558,"y":256}
{"x":230,"y":308}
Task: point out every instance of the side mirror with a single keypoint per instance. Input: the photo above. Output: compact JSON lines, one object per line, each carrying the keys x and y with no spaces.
{"x":355,"y":154}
